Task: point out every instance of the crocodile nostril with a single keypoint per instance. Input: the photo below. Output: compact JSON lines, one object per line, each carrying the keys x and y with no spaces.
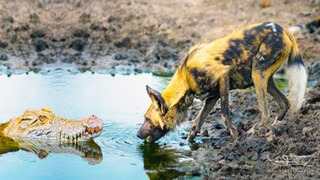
{"x":90,"y":130}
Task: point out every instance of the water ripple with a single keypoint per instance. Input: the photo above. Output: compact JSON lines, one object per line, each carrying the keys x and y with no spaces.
{"x":119,"y":138}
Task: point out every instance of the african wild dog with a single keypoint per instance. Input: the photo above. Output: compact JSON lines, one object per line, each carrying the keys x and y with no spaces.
{"x":244,"y":58}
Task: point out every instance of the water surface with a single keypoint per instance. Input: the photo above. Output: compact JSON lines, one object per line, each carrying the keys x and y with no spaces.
{"x":120,"y":101}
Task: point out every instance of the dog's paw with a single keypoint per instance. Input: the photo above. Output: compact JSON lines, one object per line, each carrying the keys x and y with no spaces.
{"x":192,"y":135}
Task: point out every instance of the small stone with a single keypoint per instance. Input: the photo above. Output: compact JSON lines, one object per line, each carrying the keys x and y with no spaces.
{"x":111,"y":19}
{"x":107,"y":38}
{"x":120,"y":56}
{"x":126,"y":43}
{"x":13,"y":38}
{"x":255,"y":156}
{"x":81,"y":33}
{"x":34,"y":18}
{"x":3,"y":57}
{"x":305,"y":130}
{"x":95,"y":26}
{"x":85,"y":17}
{"x":215,"y":167}
{"x":45,"y":59}
{"x":10,"y":19}
{"x":3,"y":44}
{"x":40,"y":45}
{"x":24,"y":27}
{"x":195,"y":171}
{"x":78,"y":45}
{"x":163,"y":54}
{"x":217,"y":158}
{"x":37,"y":34}
{"x":205,"y":133}
{"x":306,"y":14}
{"x":187,"y":153}
{"x":264,"y":156}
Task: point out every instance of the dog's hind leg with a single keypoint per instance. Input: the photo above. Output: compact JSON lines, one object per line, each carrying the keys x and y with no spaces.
{"x":272,"y":53}
{"x":280,"y":98}
{"x":260,"y":82}
{"x":204,"y":112}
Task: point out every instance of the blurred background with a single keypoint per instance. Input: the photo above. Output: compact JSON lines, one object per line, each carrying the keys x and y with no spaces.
{"x":125,"y":36}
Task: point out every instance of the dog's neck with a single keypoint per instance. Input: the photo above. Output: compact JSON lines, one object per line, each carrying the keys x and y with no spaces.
{"x":183,"y":106}
{"x":178,"y":97}
{"x":176,"y":89}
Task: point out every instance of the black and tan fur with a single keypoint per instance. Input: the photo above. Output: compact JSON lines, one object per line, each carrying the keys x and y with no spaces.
{"x":244,"y":58}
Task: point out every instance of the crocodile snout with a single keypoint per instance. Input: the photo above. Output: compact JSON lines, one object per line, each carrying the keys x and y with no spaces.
{"x":94,"y":125}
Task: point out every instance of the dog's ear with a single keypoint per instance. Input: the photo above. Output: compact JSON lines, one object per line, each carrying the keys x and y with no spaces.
{"x":157,"y":98}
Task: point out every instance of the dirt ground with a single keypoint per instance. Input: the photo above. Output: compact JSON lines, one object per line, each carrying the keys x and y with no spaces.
{"x":133,"y":36}
{"x":125,"y":36}
{"x":292,"y":154}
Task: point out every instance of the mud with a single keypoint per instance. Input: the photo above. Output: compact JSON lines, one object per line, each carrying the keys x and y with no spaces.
{"x":134,"y":36}
{"x":293,"y":153}
{"x":129,"y":36}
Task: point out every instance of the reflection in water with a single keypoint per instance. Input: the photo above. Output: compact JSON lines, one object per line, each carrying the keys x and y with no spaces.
{"x":89,"y":151}
{"x":120,"y":101}
{"x":160,"y":163}
{"x":8,"y":145}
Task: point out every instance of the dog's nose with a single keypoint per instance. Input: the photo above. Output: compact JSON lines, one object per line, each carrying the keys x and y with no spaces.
{"x":138,"y":135}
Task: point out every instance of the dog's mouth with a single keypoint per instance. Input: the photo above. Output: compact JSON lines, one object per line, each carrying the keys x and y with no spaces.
{"x":151,"y":135}
{"x":148,"y":139}
{"x":156,"y":135}
{"x":151,"y":139}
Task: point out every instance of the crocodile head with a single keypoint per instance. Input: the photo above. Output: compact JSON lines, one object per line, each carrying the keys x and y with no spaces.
{"x":44,"y":125}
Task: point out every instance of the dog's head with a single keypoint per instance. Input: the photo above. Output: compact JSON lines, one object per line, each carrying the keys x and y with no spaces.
{"x":153,"y":127}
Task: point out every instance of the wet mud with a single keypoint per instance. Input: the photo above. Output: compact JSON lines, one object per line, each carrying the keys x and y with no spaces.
{"x":293,"y":152}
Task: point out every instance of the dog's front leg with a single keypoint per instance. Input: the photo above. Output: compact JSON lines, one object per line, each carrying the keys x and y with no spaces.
{"x":204,"y":112}
{"x":224,"y":87}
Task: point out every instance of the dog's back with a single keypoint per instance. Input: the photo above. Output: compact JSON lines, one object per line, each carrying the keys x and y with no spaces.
{"x":235,"y":53}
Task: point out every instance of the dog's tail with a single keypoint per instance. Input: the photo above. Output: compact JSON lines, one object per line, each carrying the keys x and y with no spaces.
{"x":297,"y":76}
{"x":311,"y":26}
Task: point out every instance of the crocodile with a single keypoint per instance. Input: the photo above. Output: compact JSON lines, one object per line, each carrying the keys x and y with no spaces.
{"x":43,"y":124}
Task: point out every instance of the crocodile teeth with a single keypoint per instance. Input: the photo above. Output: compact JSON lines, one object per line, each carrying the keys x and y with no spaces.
{"x":66,"y":137}
{"x":63,"y":137}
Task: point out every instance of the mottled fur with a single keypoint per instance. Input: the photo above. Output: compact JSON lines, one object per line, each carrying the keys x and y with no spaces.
{"x":247,"y":57}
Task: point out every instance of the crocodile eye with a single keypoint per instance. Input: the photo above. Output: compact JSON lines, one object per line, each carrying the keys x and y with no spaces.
{"x":42,"y":118}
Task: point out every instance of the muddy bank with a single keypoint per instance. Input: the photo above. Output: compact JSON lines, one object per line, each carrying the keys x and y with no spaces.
{"x":129,"y":36}
{"x":293,"y":153}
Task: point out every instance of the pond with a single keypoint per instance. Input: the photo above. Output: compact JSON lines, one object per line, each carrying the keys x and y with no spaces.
{"x":119,"y":100}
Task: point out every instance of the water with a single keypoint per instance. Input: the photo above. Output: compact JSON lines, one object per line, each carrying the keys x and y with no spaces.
{"x":120,"y":101}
